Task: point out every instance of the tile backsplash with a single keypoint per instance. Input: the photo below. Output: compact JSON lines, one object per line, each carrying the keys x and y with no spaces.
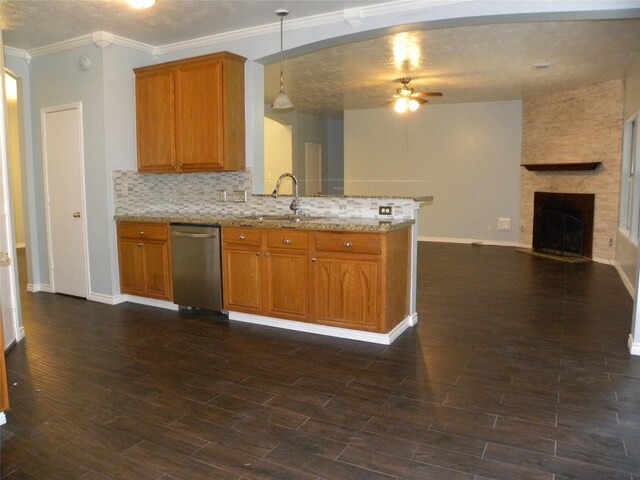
{"x":139,"y":193}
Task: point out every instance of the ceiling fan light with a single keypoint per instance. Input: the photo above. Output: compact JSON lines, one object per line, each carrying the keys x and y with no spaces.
{"x":413,"y":105}
{"x":401,"y":105}
{"x":140,"y":4}
{"x":282,"y":101}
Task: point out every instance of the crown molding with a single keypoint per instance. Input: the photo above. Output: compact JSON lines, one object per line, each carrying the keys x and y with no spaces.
{"x":99,"y":38}
{"x":305,"y":22}
{"x":16,"y":52}
{"x":211,"y":40}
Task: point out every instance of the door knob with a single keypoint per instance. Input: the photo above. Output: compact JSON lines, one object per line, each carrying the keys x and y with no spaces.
{"x":76,"y":214}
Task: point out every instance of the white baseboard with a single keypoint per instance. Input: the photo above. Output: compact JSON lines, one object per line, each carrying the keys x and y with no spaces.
{"x":380,"y":338}
{"x":107,"y":299}
{"x":413,"y":319}
{"x":150,"y":302}
{"x":38,"y":287}
{"x":625,"y":281}
{"x":634,"y":347}
{"x":3,"y":419}
{"x":475,"y":241}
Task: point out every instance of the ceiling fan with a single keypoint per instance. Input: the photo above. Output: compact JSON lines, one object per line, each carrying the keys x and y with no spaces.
{"x":407,"y":99}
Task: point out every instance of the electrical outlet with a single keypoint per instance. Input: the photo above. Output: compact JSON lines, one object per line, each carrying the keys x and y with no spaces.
{"x":385,"y":210}
{"x":240,"y":196}
{"x":611,"y":242}
{"x":221,"y":195}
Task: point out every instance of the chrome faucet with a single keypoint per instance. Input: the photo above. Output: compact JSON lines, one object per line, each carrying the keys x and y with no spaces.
{"x":295,"y":204}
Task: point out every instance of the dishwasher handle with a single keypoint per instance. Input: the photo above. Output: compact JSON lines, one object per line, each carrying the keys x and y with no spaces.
{"x":194,"y":235}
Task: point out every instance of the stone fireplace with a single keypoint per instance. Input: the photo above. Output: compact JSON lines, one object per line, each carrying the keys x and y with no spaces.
{"x":561,"y":131}
{"x":563,"y":223}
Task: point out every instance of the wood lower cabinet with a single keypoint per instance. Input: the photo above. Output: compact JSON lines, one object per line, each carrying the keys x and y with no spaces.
{"x":266,"y":272}
{"x":143,"y":254}
{"x":342,"y":279}
{"x":346,"y":292}
{"x":241,"y":270}
{"x":190,"y":115}
{"x":361,"y":280}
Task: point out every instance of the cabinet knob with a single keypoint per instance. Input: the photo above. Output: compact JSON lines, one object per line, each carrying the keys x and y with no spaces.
{"x":173,"y":165}
{"x":267,"y":254}
{"x":257,"y":254}
{"x":314,"y":259}
{"x":348,"y":244}
{"x":141,"y":234}
{"x":287,"y":241}
{"x":180,"y":165}
{"x":76,"y":214}
{"x":141,"y":244}
{"x":241,"y":237}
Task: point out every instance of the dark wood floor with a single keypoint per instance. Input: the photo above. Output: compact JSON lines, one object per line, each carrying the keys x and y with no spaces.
{"x":518,"y":369}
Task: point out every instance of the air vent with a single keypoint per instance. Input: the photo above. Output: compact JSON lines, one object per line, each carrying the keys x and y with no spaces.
{"x":542,"y":66}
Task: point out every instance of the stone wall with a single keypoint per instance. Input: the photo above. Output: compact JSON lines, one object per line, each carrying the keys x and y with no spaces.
{"x":580,"y":125}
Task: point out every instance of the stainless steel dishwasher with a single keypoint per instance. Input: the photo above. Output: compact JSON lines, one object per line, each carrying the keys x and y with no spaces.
{"x":196,"y":266}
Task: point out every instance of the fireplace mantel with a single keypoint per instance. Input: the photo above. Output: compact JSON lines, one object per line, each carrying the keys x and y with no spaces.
{"x":561,"y":167}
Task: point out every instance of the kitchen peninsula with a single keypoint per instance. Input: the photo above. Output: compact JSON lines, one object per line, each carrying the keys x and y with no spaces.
{"x":342,"y":270}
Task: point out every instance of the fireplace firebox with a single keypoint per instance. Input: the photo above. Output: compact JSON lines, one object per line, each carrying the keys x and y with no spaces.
{"x":563,"y":223}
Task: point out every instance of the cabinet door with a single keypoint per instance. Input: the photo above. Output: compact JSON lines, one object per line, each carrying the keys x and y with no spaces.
{"x":4,"y":390}
{"x":199,"y":117}
{"x":155,"y":114}
{"x":242,"y":280}
{"x":346,"y":293}
{"x":131,"y":257}
{"x":287,"y":281}
{"x":157,"y":280}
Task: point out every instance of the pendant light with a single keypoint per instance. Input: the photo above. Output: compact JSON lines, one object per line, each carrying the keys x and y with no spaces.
{"x":282,"y":101}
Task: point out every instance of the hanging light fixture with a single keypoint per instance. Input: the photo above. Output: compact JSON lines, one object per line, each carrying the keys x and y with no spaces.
{"x":282,"y":101}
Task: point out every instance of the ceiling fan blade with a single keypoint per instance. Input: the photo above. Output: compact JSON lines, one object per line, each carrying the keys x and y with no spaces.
{"x":421,"y":101}
{"x":428,"y":94}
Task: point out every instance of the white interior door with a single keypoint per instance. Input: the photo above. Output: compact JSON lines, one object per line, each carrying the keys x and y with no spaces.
{"x":64,"y":170}
{"x":313,"y":167}
{"x":9,"y":293}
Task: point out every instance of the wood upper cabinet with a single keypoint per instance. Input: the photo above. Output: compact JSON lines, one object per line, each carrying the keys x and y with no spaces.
{"x":143,"y":254}
{"x":190,"y":115}
{"x":266,"y":272}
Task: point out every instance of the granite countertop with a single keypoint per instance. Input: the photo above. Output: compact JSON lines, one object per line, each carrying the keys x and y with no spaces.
{"x":350,"y":224}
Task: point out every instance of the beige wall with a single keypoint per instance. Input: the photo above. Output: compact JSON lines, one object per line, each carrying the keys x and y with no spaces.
{"x":626,"y":249}
{"x":580,"y":125}
{"x":13,"y":139}
{"x":277,"y":155}
{"x":632,"y":90}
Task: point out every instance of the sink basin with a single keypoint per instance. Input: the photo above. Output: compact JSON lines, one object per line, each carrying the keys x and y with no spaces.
{"x":282,"y":218}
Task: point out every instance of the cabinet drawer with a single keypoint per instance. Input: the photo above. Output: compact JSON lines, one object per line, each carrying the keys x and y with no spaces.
{"x":241,"y":236}
{"x":287,"y":239}
{"x":146,"y":231}
{"x":349,"y":242}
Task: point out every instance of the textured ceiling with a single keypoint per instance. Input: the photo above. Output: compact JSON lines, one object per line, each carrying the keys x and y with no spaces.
{"x":467,"y":64}
{"x":28,"y":24}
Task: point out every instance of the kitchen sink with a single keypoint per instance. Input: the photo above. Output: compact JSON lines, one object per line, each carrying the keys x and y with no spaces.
{"x":283,"y":218}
